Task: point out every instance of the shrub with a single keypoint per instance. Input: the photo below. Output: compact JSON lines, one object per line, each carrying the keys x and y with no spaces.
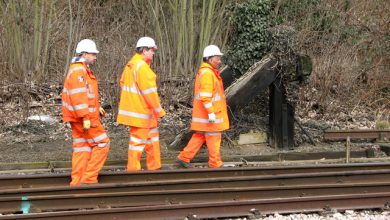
{"x":250,"y":40}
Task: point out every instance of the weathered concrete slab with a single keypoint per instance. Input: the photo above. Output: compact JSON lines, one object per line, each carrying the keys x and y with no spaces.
{"x":255,"y":80}
{"x":252,"y":138}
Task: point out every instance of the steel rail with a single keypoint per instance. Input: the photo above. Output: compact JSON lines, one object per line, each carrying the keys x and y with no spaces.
{"x":294,"y":179}
{"x":223,"y":209}
{"x":47,"y":203}
{"x":356,"y":134}
{"x":50,"y":180}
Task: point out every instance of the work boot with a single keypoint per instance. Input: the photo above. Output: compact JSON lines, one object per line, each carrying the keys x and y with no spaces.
{"x":165,"y":167}
{"x":183,"y":164}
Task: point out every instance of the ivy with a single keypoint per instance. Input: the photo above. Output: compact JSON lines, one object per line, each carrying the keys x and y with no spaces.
{"x":250,"y":40}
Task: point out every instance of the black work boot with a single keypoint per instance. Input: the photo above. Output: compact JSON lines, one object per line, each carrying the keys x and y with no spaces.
{"x":165,"y":167}
{"x":183,"y":164}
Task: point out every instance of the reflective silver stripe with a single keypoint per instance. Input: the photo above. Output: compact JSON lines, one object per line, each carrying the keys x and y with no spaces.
{"x":82,"y":149}
{"x":203,"y":72}
{"x":208,"y":105}
{"x":75,"y":69}
{"x":206,"y":94}
{"x":158,"y":109}
{"x":103,"y":144}
{"x":81,"y":106}
{"x":139,"y":64}
{"x":154,"y":130}
{"x":79,"y":140}
{"x":98,"y":138}
{"x":202,"y":120}
{"x":147,"y":91}
{"x":132,"y":89}
{"x":155,"y":139}
{"x":212,"y":133}
{"x":92,"y":109}
{"x":74,"y":91}
{"x":137,"y":140}
{"x":216,"y":98}
{"x":136,"y":148}
{"x":74,"y":108}
{"x":91,"y":95}
{"x":135,"y":114}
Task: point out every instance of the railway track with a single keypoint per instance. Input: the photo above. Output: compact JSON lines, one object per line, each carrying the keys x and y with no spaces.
{"x":205,"y":193}
{"x":254,"y":208}
{"x":50,"y":180}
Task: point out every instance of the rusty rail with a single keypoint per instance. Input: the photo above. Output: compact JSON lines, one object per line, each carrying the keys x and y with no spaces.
{"x":206,"y":196}
{"x":380,"y":134}
{"x":18,"y":182}
{"x":205,"y":183}
{"x":183,"y":196}
{"x":255,"y":208}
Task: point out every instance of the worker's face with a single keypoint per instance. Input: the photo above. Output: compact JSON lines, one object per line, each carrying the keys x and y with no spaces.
{"x":89,"y":58}
{"x":215,"y":61}
{"x":149,"y":53}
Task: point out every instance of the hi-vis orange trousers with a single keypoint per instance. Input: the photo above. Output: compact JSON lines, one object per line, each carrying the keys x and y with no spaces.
{"x":143,"y":139}
{"x":213,"y":142}
{"x":90,"y":150}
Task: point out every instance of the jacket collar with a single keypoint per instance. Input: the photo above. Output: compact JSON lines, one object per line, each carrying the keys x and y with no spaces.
{"x":78,"y":60}
{"x":82,"y":62}
{"x":138,"y":57}
{"x":206,"y":65}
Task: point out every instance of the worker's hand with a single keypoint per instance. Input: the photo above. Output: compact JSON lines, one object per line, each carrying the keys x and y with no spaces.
{"x":102,"y":112}
{"x":87,"y":124}
{"x":161,"y":113}
{"x":212,"y":117}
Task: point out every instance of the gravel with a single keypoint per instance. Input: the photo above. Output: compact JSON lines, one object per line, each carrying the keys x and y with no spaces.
{"x":346,"y":215}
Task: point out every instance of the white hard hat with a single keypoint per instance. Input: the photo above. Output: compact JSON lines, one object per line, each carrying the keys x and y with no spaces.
{"x":211,"y":50}
{"x":86,"y":45}
{"x":146,"y":42}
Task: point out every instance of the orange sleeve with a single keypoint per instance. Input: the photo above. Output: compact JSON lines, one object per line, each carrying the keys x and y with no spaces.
{"x":206,"y":90}
{"x":146,"y":81}
{"x":77,"y":92}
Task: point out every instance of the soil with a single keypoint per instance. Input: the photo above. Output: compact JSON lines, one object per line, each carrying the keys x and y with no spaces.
{"x":38,"y":141}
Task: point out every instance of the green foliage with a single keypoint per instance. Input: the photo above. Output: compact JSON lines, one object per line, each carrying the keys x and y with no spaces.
{"x":296,"y":12}
{"x":382,"y":124}
{"x":250,"y":40}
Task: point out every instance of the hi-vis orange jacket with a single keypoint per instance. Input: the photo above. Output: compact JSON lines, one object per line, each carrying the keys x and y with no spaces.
{"x":80,"y":96}
{"x":139,"y":104}
{"x":209,"y":97}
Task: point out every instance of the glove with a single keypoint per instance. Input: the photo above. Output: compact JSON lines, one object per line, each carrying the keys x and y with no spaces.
{"x":102,"y":112}
{"x":212,"y":117}
{"x":87,"y":124}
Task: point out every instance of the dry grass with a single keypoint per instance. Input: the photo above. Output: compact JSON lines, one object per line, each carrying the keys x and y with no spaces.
{"x":348,"y":41}
{"x":351,"y":58}
{"x":39,"y":38}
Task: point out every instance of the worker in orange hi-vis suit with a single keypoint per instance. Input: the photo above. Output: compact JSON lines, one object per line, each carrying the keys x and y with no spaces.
{"x":140,"y":107}
{"x":209,"y":113}
{"x":80,"y":107}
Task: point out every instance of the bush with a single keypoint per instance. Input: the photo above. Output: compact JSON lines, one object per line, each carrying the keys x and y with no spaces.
{"x":250,"y":40}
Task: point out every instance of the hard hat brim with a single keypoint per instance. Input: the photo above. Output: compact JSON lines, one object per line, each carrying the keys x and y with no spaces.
{"x":219,"y":54}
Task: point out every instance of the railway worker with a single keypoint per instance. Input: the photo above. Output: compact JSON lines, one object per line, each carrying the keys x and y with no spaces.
{"x":80,"y":107}
{"x":140,"y":108}
{"x":209,"y":113}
